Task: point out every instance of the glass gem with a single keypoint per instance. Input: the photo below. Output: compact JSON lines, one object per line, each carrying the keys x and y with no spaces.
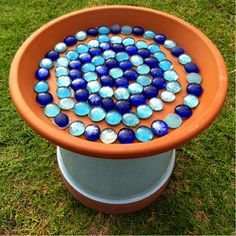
{"x":72,"y":55}
{"x":150,"y":91}
{"x":123,"y":106}
{"x":93,"y":86}
{"x":97,"y":114}
{"x":141,"y":44}
{"x":156,"y":104}
{"x":81,"y":95}
{"x":118,"y":48}
{"x":98,"y":60}
{"x":173,"y":121}
{"x":125,"y":65}
{"x":159,"y":82}
{"x":130,"y":119}
{"x":61,"y":71}
{"x":44,"y":98}
{"x":160,"y":56}
{"x":128,"y":41}
{"x":144,"y":53}
{"x":160,"y":38}
{"x":137,"y":99}
{"x":109,"y":54}
{"x":75,"y":74}
{"x":61,"y":120}
{"x":177,"y":51}
{"x":85,"y":57}
{"x":136,"y":60}
{"x":173,"y":87}
{"x":131,"y":74}
{"x":195,"y":89}
{"x":42,"y":74}
{"x":151,"y":62}
{"x":143,"y":134}
{"x":126,"y":30}
{"x":122,"y":56}
{"x":108,"y":136}
{"x":106,"y":92}
{"x":63,"y":81}
{"x":116,"y":73}
{"x":131,"y":50}
{"x":74,"y":65}
{"x":82,"y":48}
{"x":94,"y":100}
{"x":102,"y":70}
{"x":103,"y":30}
{"x":135,"y":88}
{"x":183,"y":111}
{"x":95,"y":52}
{"x":112,"y":63}
{"x":81,"y":35}
{"x":144,"y":80}
{"x":149,"y":34}
{"x":88,"y":67}
{"x":93,"y":43}
{"x":63,"y":92}
{"x":76,"y":128}
{"x":90,"y":76}
{"x":137,"y":30}
{"x":144,"y":111}
{"x":51,"y":110}
{"x":92,"y":32}
{"x":70,"y":40}
{"x":191,"y":67}
{"x":107,"y":104}
{"x":103,"y":39}
{"x":143,"y":69}
{"x":107,"y":80}
{"x":78,"y":84}
{"x":159,"y":128}
{"x":53,"y":55}
{"x":126,"y":136}
{"x":62,"y":61}
{"x":194,"y":78}
{"x":81,"y":108}
{"x":46,"y":63}
{"x":191,"y":101}
{"x":184,"y":58}
{"x":92,"y":132}
{"x":167,"y":96}
{"x":157,"y":72}
{"x":41,"y":86}
{"x":153,"y":48}
{"x":116,"y":39}
{"x":115,"y":29}
{"x":165,"y":65}
{"x":171,"y":75}
{"x":121,"y":93}
{"x":169,"y":44}
{"x":66,"y":103}
{"x":105,"y":46}
{"x":113,"y":118}
{"x":60,"y":47}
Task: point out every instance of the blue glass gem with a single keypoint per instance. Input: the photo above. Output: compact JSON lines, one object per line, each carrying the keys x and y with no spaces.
{"x":123,"y":106}
{"x":159,"y":128}
{"x":130,"y":119}
{"x":173,"y":120}
{"x":144,"y":80}
{"x":194,"y":78}
{"x":97,"y":114}
{"x":90,"y":76}
{"x":143,"y":134}
{"x":156,"y":104}
{"x":135,"y":88}
{"x":126,"y":136}
{"x":44,"y":98}
{"x":177,"y":51}
{"x":81,"y":108}
{"x":81,"y":95}
{"x":41,"y":86}
{"x":173,"y":87}
{"x":131,"y":50}
{"x":165,"y":65}
{"x":183,"y":111}
{"x":153,"y":48}
{"x":66,"y":103}
{"x":160,"y":56}
{"x":62,"y":61}
{"x":141,"y":44}
{"x":93,"y":43}
{"x":137,"y":30}
{"x":167,"y":96}
{"x":184,"y":58}
{"x":75,"y":74}
{"x":136,"y":60}
{"x":144,"y":53}
{"x":191,"y":67}
{"x":85,"y":57}
{"x":88,"y":67}
{"x":160,"y":38}
{"x":78,"y":84}
{"x":98,"y":60}
{"x":116,"y":39}
{"x":103,"y":39}
{"x":144,"y":111}
{"x":76,"y":128}
{"x":150,"y":91}
{"x":113,"y":118}
{"x":121,"y":93}
{"x":82,"y":48}
{"x":116,"y":73}
{"x":195,"y":89}
{"x":191,"y":101}
{"x":108,"y":136}
{"x":63,"y":92}
{"x":53,"y":55}
{"x":95,"y":52}
{"x":61,"y":71}
{"x":170,"y":75}
{"x":151,"y":62}
{"x":81,"y":35}
{"x":93,"y":86}
{"x":169,"y":44}
{"x":42,"y":74}
{"x":125,"y":65}
{"x":122,"y":82}
{"x":107,"y":104}
{"x":137,"y":99}
{"x":51,"y":110}
{"x":70,"y":40}
{"x":109,"y":54}
{"x":112,"y":63}
{"x":63,"y":81}
{"x":131,"y":74}
{"x":46,"y":63}
{"x":60,"y":47}
{"x":106,"y":92}
{"x":149,"y":34}
{"x":159,"y":82}
{"x":118,"y":48}
{"x":61,"y":120}
{"x":102,"y":70}
{"x":103,"y":30}
{"x":115,"y":29}
{"x":143,"y":69}
{"x":126,"y":30}
{"x":92,"y":32}
{"x":122,"y":56}
{"x":92,"y":132}
{"x":105,"y":46}
{"x":74,"y":65}
{"x":94,"y":100}
{"x":128,"y":41}
{"x":107,"y":80}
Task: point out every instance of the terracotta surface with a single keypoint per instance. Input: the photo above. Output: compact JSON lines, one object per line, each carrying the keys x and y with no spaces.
{"x":197,"y":45}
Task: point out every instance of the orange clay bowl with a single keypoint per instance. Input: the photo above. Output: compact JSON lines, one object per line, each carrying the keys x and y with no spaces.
{"x":196,"y":44}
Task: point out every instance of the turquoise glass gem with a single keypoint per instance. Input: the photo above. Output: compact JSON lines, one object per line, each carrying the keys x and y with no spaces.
{"x":126,"y":30}
{"x":141,"y":44}
{"x":136,"y":60}
{"x":76,"y":128}
{"x":144,"y":111}
{"x":184,"y":58}
{"x":60,"y":47}
{"x":116,"y":39}
{"x":81,"y":109}
{"x":130,"y":119}
{"x":109,"y":54}
{"x":72,"y":55}
{"x":116,"y":73}
{"x":88,"y":67}
{"x":93,"y":43}
{"x":46,"y":63}
{"x":90,"y":76}
{"x":194,"y":78}
{"x":106,"y":92}
{"x":41,"y":86}
{"x":173,"y":120}
{"x":63,"y":81}
{"x":165,"y":65}
{"x":113,"y":118}
{"x":143,"y":69}
{"x":173,"y":87}
{"x":81,"y":35}
{"x":51,"y":110}
{"x":143,"y":134}
{"x":170,"y":75}
{"x":160,"y":56}
{"x":156,"y":104}
{"x":93,"y":86}
{"x":128,"y":41}
{"x":82,"y":48}
{"x":153,"y":48}
{"x":144,"y":80}
{"x":122,"y":56}
{"x":98,"y":60}
{"x":61,"y":71}
{"x":63,"y":92}
{"x":135,"y":88}
{"x":169,"y":44}
{"x":97,"y":114}
{"x":121,"y":93}
{"x":191,"y":101}
{"x":167,"y":96}
{"x":103,"y":39}
{"x":62,"y":61}
{"x":66,"y":103}
{"x":108,"y":136}
{"x":149,"y":34}
{"x":103,"y":30}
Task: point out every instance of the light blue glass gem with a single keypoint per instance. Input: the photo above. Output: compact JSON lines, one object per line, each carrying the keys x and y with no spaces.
{"x":81,"y":35}
{"x":136,"y":60}
{"x":103,"y":39}
{"x":63,"y":81}
{"x":113,"y":118}
{"x":149,"y":34}
{"x":93,"y":43}
{"x":144,"y":111}
{"x":121,"y":93}
{"x":165,"y":65}
{"x":169,"y":44}
{"x":93,"y":86}
{"x":135,"y":88}
{"x":191,"y":101}
{"x":160,"y":56}
{"x":130,"y":119}
{"x":108,"y":136}
{"x":143,"y":69}
{"x":60,"y":71}
{"x":194,"y":78}
{"x":97,"y":114}
{"x":116,"y":73}
{"x":173,"y":121}
{"x":128,"y":41}
{"x":126,"y":30}
{"x":109,"y":54}
{"x":143,"y":134}
{"x":103,"y":30}
{"x":116,"y":39}
{"x":88,"y":67}
{"x":82,"y":48}
{"x":63,"y":92}
{"x":167,"y":96}
{"x":122,"y":56}
{"x":184,"y":58}
{"x":76,"y":128}
{"x":156,"y":104}
{"x":81,"y":109}
{"x":90,"y":76}
{"x":98,"y":60}
{"x":106,"y":92}
{"x":62,"y":61}
{"x":60,"y":47}
{"x":41,"y":86}
{"x":72,"y":55}
{"x":153,"y":48}
{"x":66,"y":103}
{"x":46,"y":63}
{"x":173,"y":87}
{"x":141,"y":44}
{"x":51,"y":110}
{"x":170,"y":75}
{"x":144,"y":80}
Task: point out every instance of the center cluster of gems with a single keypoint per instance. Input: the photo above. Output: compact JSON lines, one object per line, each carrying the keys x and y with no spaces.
{"x":104,"y":72}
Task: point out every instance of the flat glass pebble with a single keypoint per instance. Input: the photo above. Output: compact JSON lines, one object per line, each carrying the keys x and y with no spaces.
{"x":61,"y":120}
{"x":153,"y":48}
{"x":156,"y":104}
{"x":157,"y":72}
{"x":42,"y":74}
{"x":44,"y":98}
{"x":62,"y":61}
{"x":191,"y":101}
{"x":173,"y":87}
{"x":126,"y":136}
{"x":109,"y":54}
{"x":107,"y":80}
{"x":51,"y":110}
{"x":143,"y":134}
{"x":82,"y":48}
{"x":105,"y":46}
{"x":128,"y":41}
{"x":171,"y":75}
{"x":159,"y":82}
{"x":149,"y":34}
{"x":76,"y":128}
{"x":191,"y":67}
{"x":94,"y":100}
{"x":173,"y":120}
{"x":130,"y":119}
{"x":60,"y":47}
{"x":61,"y":71}
{"x":122,"y":106}
{"x":126,"y":30}
{"x":72,"y":55}
{"x":63,"y":92}
{"x":143,"y":52}
{"x":131,"y":50}
{"x":194,"y":78}
{"x":74,"y":65}
{"x":108,"y":136}
{"x":160,"y":56}
{"x":135,"y":88}
{"x":167,"y":96}
{"x":122,"y":56}
{"x":159,"y":128}
{"x":113,"y":117}
{"x":141,"y":44}
{"x":144,"y":80}
{"x":97,"y":114}
{"x":125,"y":65}
{"x":118,"y":47}
{"x":151,"y":62}
{"x":194,"y":89}
{"x":137,"y":99}
{"x":53,"y":55}
{"x":63,"y":81}
{"x":41,"y":86}
{"x":116,"y":39}
{"x":93,"y":43}
{"x":85,"y":57}
{"x":131,"y":74}
{"x":150,"y":92}
{"x":169,"y":44}
{"x":70,"y":40}
{"x":106,"y":92}
{"x":93,"y":86}
{"x":75,"y":74}
{"x":92,"y":132}
{"x":46,"y":63}
{"x":165,"y":65}
{"x":160,"y":38}
{"x":144,"y":111}
{"x":121,"y":82}
{"x":98,"y":60}
{"x":81,"y":108}
{"x":81,"y":35}
{"x":81,"y":95}
{"x":184,"y":58}
{"x":66,"y":103}
{"x":136,"y":60}
{"x":78,"y":84}
{"x":90,"y":76}
{"x":103,"y":30}
{"x":116,"y":73}
{"x":183,"y":111}
{"x":137,"y":30}
{"x":177,"y":51}
{"x":143,"y":69}
{"x":88,"y":67}
{"x":115,"y":29}
{"x":121,"y":93}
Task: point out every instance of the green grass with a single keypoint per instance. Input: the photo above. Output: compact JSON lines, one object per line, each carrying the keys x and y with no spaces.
{"x":33,"y":200}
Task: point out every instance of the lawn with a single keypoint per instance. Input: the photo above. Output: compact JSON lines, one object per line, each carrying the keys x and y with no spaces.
{"x":33,"y":200}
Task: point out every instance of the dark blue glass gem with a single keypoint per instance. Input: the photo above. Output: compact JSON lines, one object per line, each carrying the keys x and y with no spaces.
{"x":78,"y":84}
{"x":144,"y":53}
{"x":123,"y":106}
{"x":74,"y":65}
{"x":102,"y":70}
{"x":75,"y":74}
{"x":107,"y":104}
{"x":137,"y":99}
{"x":125,"y":65}
{"x":105,"y":46}
{"x":44,"y":98}
{"x":138,"y":30}
{"x":131,"y":74}
{"x":150,"y":92}
{"x":92,"y":32}
{"x":118,"y":48}
{"x":112,"y":63}
{"x":92,"y":132}
{"x":107,"y":80}
{"x":95,"y":52}
{"x":177,"y":51}
{"x":53,"y":55}
{"x":160,"y":38}
{"x":81,"y":95}
{"x":131,"y":50}
{"x":94,"y":100}
{"x":159,"y":82}
{"x":191,"y":67}
{"x":42,"y":74}
{"x":195,"y":89}
{"x":151,"y":62}
{"x":126,"y":135}
{"x":183,"y":111}
{"x":61,"y":120}
{"x":70,"y":40}
{"x":159,"y":128}
{"x":85,"y":57}
{"x":122,"y":82}
{"x":156,"y":72}
{"x":115,"y":29}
